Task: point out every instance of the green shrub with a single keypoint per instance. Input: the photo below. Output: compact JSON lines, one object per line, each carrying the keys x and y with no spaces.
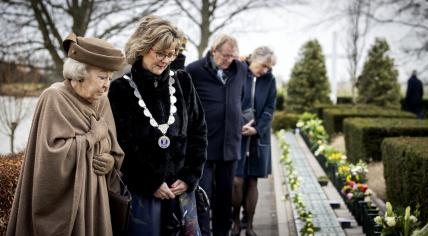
{"x":344,"y":100}
{"x":280,"y":99}
{"x":333,"y":116}
{"x":363,"y":136}
{"x":284,"y":120}
{"x":377,"y":83}
{"x":405,"y":161}
{"x":319,"y":108}
{"x":308,"y":84}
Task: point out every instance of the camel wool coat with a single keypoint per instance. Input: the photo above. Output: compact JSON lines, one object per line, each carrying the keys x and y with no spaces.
{"x":58,"y":193}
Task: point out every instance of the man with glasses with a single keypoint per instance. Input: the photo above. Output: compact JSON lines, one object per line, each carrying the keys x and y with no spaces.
{"x":218,"y":79}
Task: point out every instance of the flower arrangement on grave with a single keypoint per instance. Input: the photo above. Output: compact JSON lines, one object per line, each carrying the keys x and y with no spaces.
{"x":306,"y":216}
{"x":398,"y":222}
{"x":354,"y":190}
{"x":313,"y":128}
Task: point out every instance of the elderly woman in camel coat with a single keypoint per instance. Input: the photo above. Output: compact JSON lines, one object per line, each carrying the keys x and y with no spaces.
{"x":72,"y":149}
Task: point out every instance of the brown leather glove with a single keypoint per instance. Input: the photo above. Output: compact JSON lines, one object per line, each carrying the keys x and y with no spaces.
{"x":98,"y":131}
{"x":103,"y":163}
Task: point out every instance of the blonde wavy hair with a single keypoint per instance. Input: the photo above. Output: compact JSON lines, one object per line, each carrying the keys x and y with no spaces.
{"x":151,"y":31}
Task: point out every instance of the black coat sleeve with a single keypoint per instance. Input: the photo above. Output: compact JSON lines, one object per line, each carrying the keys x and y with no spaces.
{"x":141,"y":175}
{"x":196,"y":151}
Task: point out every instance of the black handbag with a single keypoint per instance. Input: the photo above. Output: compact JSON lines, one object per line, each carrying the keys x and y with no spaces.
{"x":120,"y":207}
{"x":202,"y":200}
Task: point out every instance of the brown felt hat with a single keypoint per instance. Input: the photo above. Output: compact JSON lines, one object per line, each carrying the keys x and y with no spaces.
{"x":93,"y":51}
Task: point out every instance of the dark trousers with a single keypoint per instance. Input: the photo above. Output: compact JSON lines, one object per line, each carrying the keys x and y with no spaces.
{"x":217,"y":180}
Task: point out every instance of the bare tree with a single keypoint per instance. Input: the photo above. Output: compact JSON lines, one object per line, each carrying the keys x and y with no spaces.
{"x":411,"y":14}
{"x":31,"y":28}
{"x":210,"y":16}
{"x":358,"y":27}
{"x":15,"y":107}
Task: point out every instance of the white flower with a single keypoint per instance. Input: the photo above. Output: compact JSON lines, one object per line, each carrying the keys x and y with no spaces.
{"x":378,"y":220}
{"x":413,"y":219}
{"x":390,"y":221}
{"x":319,"y":150}
{"x":299,"y":124}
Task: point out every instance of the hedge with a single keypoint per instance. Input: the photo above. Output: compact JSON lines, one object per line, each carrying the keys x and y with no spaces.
{"x":10,"y":166}
{"x":344,"y":100}
{"x":333,"y":117}
{"x":284,"y":120}
{"x":363,"y":136}
{"x":405,"y":161}
{"x":319,"y":108}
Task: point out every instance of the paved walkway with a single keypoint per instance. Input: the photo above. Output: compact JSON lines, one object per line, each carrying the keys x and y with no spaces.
{"x":274,"y":214}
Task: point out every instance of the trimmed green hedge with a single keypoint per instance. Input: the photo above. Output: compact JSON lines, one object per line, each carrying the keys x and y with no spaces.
{"x":344,"y":100}
{"x":284,"y":120}
{"x":405,"y":162}
{"x":363,"y":136}
{"x":319,"y":108}
{"x":333,"y":117}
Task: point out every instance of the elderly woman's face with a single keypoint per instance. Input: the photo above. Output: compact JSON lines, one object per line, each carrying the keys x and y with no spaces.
{"x":260,"y":68}
{"x":94,"y":86}
{"x":156,"y":60}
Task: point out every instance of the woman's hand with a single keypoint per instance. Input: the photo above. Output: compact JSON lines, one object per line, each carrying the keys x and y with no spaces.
{"x":164,"y":192}
{"x":179,"y":187}
{"x":103,"y":163}
{"x":248,"y":129}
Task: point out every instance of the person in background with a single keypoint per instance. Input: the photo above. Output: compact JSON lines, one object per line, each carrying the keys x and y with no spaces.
{"x":72,"y":149}
{"x":218,"y":79}
{"x":258,"y":107}
{"x":414,"y":95}
{"x":161,"y":128}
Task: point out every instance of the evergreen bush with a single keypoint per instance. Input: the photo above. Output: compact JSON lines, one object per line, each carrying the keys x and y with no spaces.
{"x":284,"y":120}
{"x":405,"y":161}
{"x":377,"y":83}
{"x":363,"y":136}
{"x":308,"y":83}
{"x":333,"y":116}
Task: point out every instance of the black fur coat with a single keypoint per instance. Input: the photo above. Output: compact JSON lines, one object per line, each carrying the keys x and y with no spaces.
{"x":146,"y":166}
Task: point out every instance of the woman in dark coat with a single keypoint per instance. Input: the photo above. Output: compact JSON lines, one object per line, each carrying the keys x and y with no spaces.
{"x":161,"y":128}
{"x":258,"y":107}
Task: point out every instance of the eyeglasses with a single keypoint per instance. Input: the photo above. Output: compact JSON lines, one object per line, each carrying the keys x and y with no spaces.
{"x":227,"y":56}
{"x":161,"y":56}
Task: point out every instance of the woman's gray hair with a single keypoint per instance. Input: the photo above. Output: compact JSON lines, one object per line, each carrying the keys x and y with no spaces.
{"x":74,"y":70}
{"x":263,"y":55}
{"x":152,"y":30}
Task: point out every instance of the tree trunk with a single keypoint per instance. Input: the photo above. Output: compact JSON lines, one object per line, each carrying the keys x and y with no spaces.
{"x":12,"y":141}
{"x":204,"y":27}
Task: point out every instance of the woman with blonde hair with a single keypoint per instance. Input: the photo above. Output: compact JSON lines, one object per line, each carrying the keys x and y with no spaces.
{"x":161,"y":128}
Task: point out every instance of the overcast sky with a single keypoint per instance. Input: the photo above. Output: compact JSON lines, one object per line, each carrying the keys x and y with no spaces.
{"x":286,"y":30}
